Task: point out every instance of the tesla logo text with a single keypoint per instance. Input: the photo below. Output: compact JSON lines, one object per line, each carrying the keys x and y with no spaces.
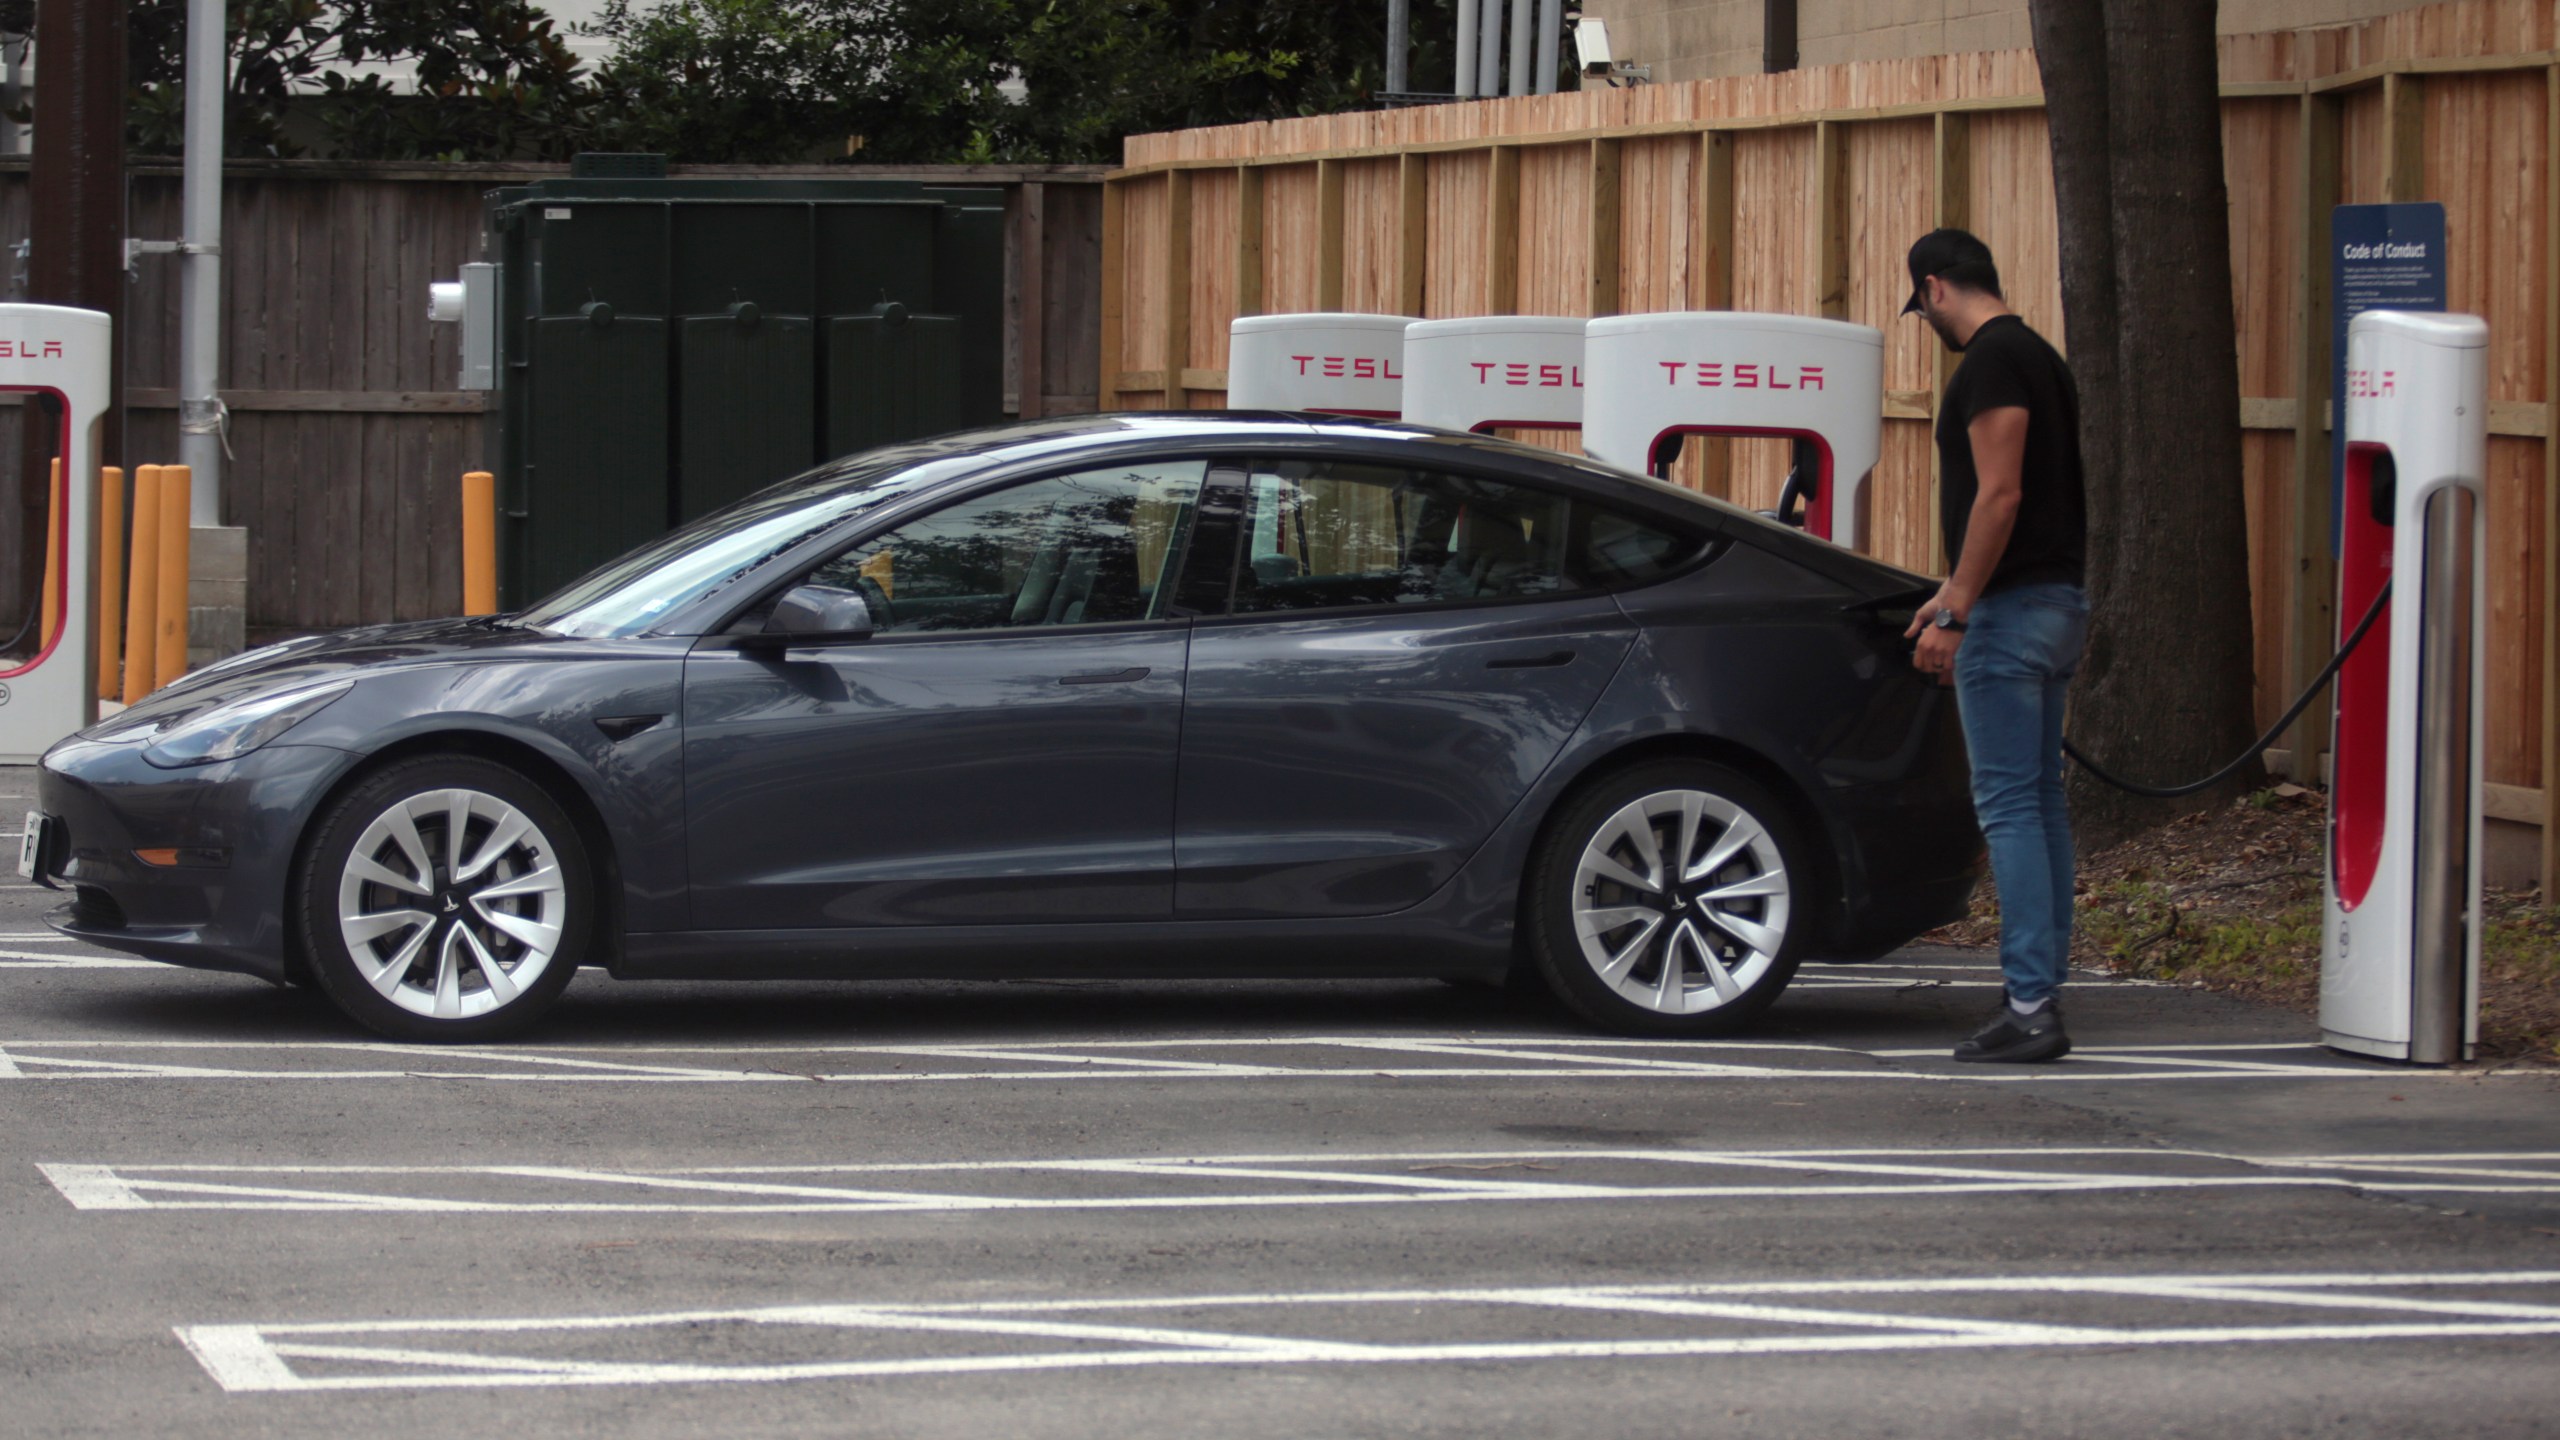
{"x":2371,"y":384}
{"x":30,"y":349}
{"x":1357,"y":367}
{"x":1714,"y":373}
{"x":1500,"y":372}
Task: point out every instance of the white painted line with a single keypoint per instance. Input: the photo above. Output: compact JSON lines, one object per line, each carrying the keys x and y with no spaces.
{"x":9,"y":1068}
{"x":38,"y":960}
{"x":1469,"y":1058}
{"x":1197,"y":1182}
{"x":876,"y":1340}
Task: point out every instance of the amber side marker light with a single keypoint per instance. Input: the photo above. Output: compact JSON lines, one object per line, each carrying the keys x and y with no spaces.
{"x":167,"y":856}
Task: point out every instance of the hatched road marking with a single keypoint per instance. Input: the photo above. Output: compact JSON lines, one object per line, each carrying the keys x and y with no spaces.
{"x":879,"y":1339}
{"x":1249,"y":1181}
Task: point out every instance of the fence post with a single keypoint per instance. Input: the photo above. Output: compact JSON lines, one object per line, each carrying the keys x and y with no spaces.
{"x":176,"y":523}
{"x":142,"y":596}
{"x":110,"y":580}
{"x":479,"y":543}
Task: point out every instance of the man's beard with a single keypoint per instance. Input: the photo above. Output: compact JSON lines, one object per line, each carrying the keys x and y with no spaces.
{"x":1946,"y":333}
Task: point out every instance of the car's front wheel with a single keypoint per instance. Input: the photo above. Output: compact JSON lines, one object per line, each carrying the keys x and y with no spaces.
{"x":445,"y":898}
{"x":1669,"y":899}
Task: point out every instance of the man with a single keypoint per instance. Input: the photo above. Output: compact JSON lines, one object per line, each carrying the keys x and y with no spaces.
{"x":2009,"y":624}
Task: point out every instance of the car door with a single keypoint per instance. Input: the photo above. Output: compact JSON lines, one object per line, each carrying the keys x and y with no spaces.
{"x":1404,"y":651}
{"x":1000,"y":749}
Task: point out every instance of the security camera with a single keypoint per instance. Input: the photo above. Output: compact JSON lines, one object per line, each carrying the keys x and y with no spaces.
{"x":1591,"y":46}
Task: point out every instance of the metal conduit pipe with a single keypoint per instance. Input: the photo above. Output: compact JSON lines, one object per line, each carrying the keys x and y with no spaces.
{"x":200,"y":419}
{"x":1489,"y":48}
{"x":1521,"y":40}
{"x":1550,"y":37}
{"x":1464,"y":82}
{"x":1399,"y":23}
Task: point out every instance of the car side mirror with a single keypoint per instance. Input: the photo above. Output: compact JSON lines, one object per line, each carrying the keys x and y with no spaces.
{"x":813,"y":615}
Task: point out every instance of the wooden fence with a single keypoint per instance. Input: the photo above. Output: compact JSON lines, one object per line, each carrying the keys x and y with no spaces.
{"x":1799,"y":192}
{"x":348,"y":436}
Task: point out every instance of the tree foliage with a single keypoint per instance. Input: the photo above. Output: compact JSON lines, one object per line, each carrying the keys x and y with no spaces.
{"x":493,"y":79}
{"x":746,"y":81}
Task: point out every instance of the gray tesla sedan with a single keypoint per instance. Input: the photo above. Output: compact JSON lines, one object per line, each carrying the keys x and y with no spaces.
{"x":1124,"y":695}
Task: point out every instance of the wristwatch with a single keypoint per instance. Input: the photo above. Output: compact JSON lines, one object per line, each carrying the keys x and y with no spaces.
{"x":1946,"y":619}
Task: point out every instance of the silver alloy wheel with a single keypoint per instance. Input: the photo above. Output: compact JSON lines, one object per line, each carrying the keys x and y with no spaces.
{"x":1680,"y":901}
{"x":452,"y":903}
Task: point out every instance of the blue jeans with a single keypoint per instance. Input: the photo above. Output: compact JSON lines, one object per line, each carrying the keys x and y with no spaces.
{"x":2021,"y":648}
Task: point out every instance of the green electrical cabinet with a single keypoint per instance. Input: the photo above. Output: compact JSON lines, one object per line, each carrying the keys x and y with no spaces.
{"x":668,"y":346}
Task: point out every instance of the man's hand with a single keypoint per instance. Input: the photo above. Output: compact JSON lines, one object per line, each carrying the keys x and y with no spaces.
{"x":1936,"y":654}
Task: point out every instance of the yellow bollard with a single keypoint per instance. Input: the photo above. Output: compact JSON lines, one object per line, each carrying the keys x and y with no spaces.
{"x":175,"y":531}
{"x":479,"y":543}
{"x":142,"y":592}
{"x":52,"y":600}
{"x":110,"y":580}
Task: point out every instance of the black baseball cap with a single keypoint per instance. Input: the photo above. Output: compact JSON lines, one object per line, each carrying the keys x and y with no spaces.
{"x":1950,"y":254}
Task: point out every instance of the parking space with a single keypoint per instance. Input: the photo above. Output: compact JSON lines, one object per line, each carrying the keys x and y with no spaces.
{"x":1250,"y":1209}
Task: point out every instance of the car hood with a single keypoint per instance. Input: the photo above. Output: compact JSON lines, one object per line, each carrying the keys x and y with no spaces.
{"x":314,"y":659}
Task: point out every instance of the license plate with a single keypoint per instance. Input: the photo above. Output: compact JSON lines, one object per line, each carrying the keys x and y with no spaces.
{"x":31,"y":845}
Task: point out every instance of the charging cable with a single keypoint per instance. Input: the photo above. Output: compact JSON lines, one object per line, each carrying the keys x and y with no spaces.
{"x":2283,"y":723}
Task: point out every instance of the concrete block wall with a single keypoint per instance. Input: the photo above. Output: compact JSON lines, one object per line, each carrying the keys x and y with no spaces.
{"x":1693,"y":39}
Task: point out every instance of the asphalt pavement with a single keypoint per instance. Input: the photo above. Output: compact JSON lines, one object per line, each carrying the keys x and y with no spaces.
{"x":1248,"y":1209}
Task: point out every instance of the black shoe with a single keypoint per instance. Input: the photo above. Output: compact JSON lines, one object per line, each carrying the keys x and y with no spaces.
{"x":2015,"y":1039}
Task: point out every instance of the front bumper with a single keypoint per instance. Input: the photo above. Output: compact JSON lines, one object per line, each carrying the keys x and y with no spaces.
{"x":235,"y":824}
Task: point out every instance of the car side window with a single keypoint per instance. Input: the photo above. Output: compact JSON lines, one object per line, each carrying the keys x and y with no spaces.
{"x":1095,"y":547}
{"x":1328,"y":534}
{"x":1610,"y":549}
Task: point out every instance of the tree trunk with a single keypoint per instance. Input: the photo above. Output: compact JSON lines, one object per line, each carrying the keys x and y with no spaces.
{"x":2165,"y":692}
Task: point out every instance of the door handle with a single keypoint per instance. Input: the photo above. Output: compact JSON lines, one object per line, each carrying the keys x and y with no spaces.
{"x":1532,"y":662}
{"x":1108,"y":677}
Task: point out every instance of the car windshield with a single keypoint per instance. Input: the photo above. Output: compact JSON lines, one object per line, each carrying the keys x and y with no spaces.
{"x":635,"y":593}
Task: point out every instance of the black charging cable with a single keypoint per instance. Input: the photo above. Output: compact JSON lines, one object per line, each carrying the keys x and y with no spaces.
{"x":2283,"y":723}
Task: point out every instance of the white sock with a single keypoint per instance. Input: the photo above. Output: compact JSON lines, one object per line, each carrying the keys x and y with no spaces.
{"x":2019,"y":1007}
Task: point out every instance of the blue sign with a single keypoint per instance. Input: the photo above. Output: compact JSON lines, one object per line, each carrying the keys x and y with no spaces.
{"x":2381,"y":257}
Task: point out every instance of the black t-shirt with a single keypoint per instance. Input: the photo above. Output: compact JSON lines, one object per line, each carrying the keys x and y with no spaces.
{"x":2008,"y":364}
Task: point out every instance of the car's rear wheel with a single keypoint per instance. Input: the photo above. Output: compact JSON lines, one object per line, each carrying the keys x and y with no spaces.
{"x":1669,"y":900}
{"x":445,"y":898}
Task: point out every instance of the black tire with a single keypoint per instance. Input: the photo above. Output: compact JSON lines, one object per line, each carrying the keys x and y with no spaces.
{"x":544,"y":889}
{"x":1707,"y":995}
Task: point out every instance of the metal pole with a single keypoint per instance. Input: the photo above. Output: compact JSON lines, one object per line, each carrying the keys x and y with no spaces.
{"x":200,"y":265}
{"x":1520,"y":46}
{"x":1399,"y":26}
{"x":1489,"y":48}
{"x":1550,"y":36}
{"x":1463,"y":84}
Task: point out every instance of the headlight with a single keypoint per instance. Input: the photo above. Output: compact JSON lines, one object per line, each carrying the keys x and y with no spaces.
{"x":227,"y":732}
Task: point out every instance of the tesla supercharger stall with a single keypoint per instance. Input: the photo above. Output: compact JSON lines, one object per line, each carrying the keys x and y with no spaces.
{"x":2400,"y":964}
{"x":1338,"y":364}
{"x":1654,"y":378}
{"x":57,"y":360}
{"x":1488,"y":372}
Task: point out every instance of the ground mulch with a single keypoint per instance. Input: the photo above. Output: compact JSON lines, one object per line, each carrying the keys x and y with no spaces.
{"x":2229,"y":900}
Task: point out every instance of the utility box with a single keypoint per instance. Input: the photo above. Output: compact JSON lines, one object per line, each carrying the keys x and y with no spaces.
{"x":663,"y":347}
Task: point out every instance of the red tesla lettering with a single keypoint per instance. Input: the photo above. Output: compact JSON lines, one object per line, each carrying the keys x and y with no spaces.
{"x":1577,"y":377}
{"x":1364,"y":369}
{"x":1515,"y":374}
{"x":1809,"y":377}
{"x":1302,"y":362}
{"x":1391,"y":372}
{"x":1710,"y":375}
{"x":1333,"y":365}
{"x":1746,"y":377}
{"x":1551,"y":375}
{"x":1672,"y":369}
{"x":1484,"y":371}
{"x":53,"y":349}
{"x":1773,"y":380}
